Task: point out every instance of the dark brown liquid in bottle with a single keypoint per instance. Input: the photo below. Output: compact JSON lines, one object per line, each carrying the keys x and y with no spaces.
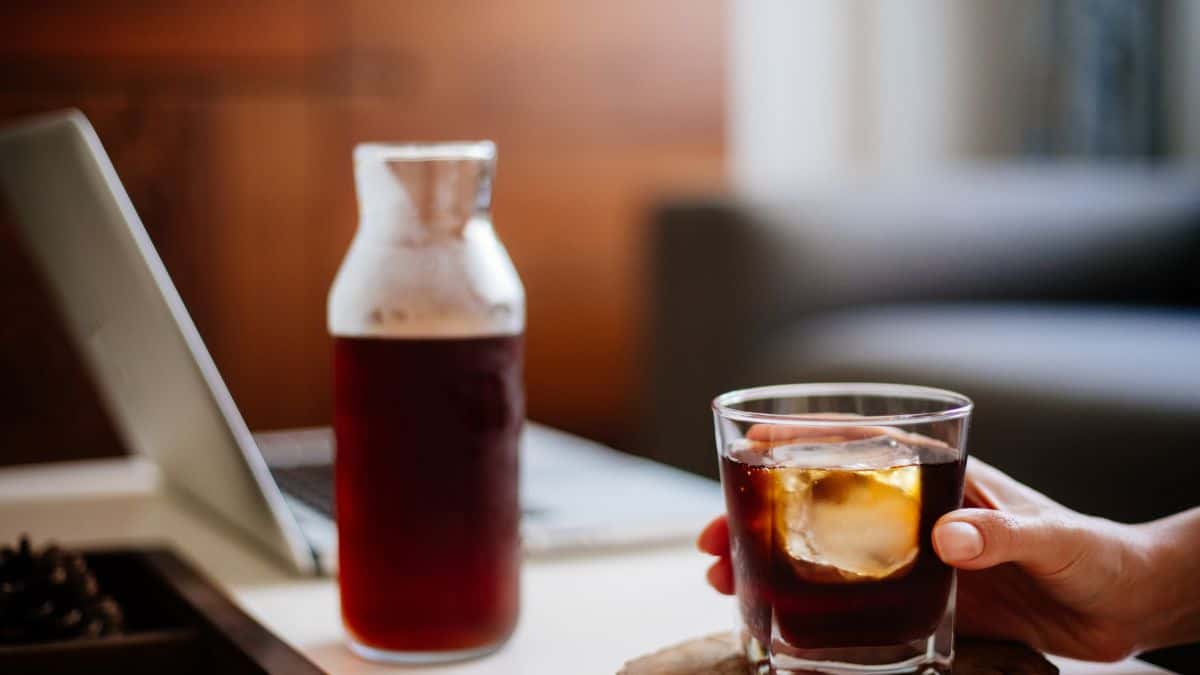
{"x":426,"y":489}
{"x":811,"y":614}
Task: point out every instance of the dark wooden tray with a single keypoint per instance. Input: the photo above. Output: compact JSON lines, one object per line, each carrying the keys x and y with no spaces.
{"x":176,"y":621}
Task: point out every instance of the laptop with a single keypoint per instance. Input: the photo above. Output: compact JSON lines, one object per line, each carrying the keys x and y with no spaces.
{"x":163,"y":391}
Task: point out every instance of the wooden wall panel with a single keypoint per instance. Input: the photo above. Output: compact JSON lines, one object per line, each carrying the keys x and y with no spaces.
{"x":231,"y":125}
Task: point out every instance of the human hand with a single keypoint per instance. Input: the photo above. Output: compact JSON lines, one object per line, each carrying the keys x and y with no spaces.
{"x":1035,"y":571}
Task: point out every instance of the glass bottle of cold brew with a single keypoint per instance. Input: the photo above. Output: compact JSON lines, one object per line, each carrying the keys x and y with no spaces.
{"x":427,"y":316}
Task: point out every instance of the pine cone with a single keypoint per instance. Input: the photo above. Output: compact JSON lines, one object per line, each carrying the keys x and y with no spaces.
{"x":51,"y":595}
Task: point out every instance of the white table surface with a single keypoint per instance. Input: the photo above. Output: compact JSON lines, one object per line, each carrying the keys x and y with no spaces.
{"x":580,"y":614}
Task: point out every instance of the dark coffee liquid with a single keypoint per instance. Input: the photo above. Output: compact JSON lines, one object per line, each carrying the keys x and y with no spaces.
{"x":426,"y":489}
{"x":830,"y":613}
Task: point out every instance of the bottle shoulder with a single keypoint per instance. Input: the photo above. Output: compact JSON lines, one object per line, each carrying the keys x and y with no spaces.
{"x":452,"y":287}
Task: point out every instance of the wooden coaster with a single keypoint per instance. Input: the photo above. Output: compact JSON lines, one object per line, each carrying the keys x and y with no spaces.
{"x":719,"y":654}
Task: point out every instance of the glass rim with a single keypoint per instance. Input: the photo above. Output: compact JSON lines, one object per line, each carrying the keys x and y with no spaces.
{"x":425,"y":152}
{"x":958,"y":406}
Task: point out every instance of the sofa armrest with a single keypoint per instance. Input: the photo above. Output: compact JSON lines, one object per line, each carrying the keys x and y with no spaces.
{"x":1114,"y":235}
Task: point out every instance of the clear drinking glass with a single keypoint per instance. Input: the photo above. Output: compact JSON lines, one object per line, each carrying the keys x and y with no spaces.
{"x":832,"y":491}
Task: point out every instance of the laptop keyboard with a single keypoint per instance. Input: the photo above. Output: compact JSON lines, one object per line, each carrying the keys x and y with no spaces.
{"x":573,"y":492}
{"x":310,"y":483}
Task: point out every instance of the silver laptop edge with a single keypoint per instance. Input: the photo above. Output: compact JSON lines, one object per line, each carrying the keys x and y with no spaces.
{"x":121,"y":309}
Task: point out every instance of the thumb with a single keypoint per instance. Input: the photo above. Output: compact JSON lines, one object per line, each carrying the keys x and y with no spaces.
{"x":973,"y":539}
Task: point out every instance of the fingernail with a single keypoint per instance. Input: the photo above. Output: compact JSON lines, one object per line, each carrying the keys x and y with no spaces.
{"x":958,"y":541}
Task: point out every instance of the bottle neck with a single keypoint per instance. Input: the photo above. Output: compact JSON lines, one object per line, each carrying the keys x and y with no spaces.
{"x":414,"y":194}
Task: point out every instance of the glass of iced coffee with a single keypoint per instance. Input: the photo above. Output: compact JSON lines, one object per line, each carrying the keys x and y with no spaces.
{"x":832,"y":491}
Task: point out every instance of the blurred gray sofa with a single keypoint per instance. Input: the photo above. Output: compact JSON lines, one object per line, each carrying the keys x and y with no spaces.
{"x":1062,"y":299}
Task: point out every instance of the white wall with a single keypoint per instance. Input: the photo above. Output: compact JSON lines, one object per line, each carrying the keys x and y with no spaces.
{"x":953,"y":79}
{"x":825,"y":90}
{"x":790,"y":100}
